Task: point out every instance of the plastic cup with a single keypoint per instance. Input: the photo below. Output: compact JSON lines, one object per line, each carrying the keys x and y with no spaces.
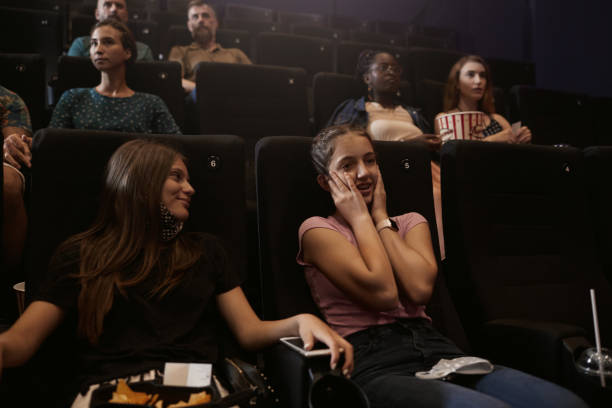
{"x":19,"y":289}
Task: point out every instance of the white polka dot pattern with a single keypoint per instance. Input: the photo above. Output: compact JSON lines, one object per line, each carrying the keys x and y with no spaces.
{"x":84,"y":108}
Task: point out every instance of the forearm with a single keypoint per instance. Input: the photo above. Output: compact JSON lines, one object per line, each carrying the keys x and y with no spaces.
{"x":23,"y":339}
{"x":15,"y":349}
{"x":414,"y":274}
{"x":374,"y":256}
{"x":251,"y":332}
{"x":9,"y":130}
{"x":259,"y":334}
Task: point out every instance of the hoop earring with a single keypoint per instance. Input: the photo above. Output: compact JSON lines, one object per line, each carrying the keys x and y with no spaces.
{"x":370,"y":93}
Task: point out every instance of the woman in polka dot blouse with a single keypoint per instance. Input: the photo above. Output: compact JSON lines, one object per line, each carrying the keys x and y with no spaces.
{"x":112,"y":105}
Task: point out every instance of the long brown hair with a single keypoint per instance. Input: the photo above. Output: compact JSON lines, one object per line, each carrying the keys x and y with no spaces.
{"x":126,"y":235}
{"x":451,"y":91}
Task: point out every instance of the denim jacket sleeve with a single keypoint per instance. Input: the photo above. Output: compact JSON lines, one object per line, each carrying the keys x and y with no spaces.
{"x":350,"y":111}
{"x":418,"y":119}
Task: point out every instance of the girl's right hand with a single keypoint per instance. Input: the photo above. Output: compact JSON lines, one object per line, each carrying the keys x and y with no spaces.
{"x":347,"y":198}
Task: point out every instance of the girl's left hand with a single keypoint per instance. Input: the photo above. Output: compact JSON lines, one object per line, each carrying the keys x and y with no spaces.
{"x":379,"y":200}
{"x":524,"y":135}
{"x":311,"y":328}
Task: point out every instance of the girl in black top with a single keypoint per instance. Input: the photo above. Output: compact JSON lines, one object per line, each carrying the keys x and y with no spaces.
{"x":141,"y":291}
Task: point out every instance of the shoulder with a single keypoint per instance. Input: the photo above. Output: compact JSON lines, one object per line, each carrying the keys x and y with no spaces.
{"x":144,"y":52}
{"x":149,"y":99}
{"x":213,"y":250}
{"x":10,"y":100}
{"x":500,"y":119}
{"x":414,"y":112}
{"x":80,"y":47}
{"x":317,"y":222}
{"x":352,"y":105}
{"x":238,"y":53}
{"x":179,"y":50}
{"x":7,"y":92}
{"x":407,"y":221}
{"x":77,"y":93}
{"x":142,"y":47}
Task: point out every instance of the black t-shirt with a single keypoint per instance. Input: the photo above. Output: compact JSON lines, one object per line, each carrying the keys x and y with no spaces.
{"x":141,"y":332}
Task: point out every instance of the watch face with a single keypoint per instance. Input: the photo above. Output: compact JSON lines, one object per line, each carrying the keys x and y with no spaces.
{"x":393,"y":224}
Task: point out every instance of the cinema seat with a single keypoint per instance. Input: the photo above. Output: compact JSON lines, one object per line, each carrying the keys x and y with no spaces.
{"x":554,"y":117}
{"x":433,"y":64}
{"x":348,"y":54}
{"x":506,"y":73}
{"x":290,"y":50}
{"x":251,"y":13}
{"x":598,"y":161}
{"x":61,"y":206}
{"x":32,"y":31}
{"x":375,"y":38}
{"x":289,"y":17}
{"x":147,"y":32}
{"x":255,"y":27}
{"x":520,"y":254}
{"x":24,"y":74}
{"x":351,"y":23}
{"x":423,"y":41}
{"x":287,"y":194}
{"x":313,"y":30}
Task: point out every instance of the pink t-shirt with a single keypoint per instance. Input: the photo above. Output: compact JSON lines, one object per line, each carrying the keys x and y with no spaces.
{"x":341,"y":313}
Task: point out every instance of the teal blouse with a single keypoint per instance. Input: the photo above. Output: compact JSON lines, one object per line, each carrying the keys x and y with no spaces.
{"x":84,"y":108}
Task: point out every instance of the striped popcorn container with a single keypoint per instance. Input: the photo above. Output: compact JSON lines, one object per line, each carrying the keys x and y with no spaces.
{"x":460,"y":125}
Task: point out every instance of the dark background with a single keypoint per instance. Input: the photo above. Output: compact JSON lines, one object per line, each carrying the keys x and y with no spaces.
{"x":566,"y":39}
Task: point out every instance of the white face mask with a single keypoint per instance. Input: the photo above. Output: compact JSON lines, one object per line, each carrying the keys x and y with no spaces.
{"x":170,"y":225}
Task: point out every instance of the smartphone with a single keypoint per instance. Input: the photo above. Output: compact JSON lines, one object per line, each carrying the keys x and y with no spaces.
{"x":295,"y":343}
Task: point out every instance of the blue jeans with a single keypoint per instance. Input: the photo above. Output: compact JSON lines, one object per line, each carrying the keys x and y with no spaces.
{"x":386,"y":358}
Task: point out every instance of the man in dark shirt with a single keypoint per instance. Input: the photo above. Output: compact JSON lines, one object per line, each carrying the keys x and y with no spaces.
{"x":106,"y":9}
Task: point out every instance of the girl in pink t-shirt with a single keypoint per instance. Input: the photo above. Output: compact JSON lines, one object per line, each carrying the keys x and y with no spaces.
{"x":371,"y":276}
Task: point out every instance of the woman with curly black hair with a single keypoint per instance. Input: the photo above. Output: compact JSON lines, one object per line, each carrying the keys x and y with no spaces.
{"x":381,"y":112}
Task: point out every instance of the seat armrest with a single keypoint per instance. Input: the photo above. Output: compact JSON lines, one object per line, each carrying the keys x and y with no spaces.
{"x":536,"y":347}
{"x":291,"y":373}
{"x":549,"y":331}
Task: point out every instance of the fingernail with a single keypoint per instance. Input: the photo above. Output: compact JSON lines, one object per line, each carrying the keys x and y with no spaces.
{"x":306,"y":345}
{"x":333,"y":366}
{"x":345,"y":372}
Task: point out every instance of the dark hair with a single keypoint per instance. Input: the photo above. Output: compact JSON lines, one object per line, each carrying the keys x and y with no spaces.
{"x":323,"y":144}
{"x":451,"y":91}
{"x":127,"y":38}
{"x":126,"y":235}
{"x":197,"y":3}
{"x":365,"y":61}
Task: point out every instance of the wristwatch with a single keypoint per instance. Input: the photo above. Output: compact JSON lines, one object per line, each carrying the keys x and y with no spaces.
{"x":386,"y":223}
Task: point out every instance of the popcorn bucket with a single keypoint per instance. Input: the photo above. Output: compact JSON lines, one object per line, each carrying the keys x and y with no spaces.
{"x":460,"y":125}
